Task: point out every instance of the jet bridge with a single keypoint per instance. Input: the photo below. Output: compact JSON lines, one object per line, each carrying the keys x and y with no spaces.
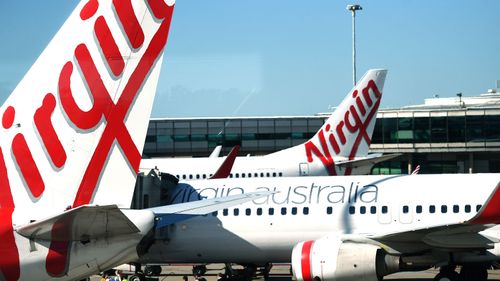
{"x":153,"y":189}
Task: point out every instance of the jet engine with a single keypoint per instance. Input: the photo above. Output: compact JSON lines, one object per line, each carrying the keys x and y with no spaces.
{"x":330,"y":259}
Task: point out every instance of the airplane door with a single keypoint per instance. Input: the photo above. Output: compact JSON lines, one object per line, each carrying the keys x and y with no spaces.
{"x":304,"y":169}
{"x":406,"y":213}
{"x":384,"y":214}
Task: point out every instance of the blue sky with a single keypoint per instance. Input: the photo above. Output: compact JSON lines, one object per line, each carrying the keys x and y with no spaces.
{"x":289,"y":57}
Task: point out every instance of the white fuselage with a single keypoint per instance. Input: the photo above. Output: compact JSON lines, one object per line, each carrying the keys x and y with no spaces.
{"x":291,"y":162}
{"x":308,"y":208}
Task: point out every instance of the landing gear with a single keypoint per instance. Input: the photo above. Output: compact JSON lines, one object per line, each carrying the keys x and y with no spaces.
{"x":467,"y":273}
{"x":266,"y":269}
{"x":199,"y":270}
{"x":247,"y":272}
{"x":152,"y":270}
{"x":139,"y":276}
{"x":474,"y":273}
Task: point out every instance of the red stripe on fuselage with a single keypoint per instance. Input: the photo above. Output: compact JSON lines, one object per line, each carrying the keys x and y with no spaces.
{"x":56,"y":263}
{"x":9,"y":255}
{"x":305,"y":261}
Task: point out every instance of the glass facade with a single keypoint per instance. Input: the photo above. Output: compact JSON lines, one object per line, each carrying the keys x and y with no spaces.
{"x":440,"y":141}
{"x":198,"y":137}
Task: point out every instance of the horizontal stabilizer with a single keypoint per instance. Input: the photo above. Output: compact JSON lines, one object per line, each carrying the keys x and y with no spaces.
{"x":225,"y":168}
{"x":371,"y":159}
{"x":80,"y":224}
{"x":216,"y":152}
{"x":170,"y":214}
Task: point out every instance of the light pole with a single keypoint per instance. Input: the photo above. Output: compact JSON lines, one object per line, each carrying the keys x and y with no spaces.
{"x":353,"y":9}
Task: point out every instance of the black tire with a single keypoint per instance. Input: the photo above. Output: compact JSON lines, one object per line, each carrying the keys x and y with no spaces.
{"x":152,"y":270}
{"x":199,"y":270}
{"x":474,"y":273}
{"x":137,"y":277}
{"x":448,"y":276}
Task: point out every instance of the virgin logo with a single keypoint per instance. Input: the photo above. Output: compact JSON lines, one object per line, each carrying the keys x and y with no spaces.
{"x":333,"y":138}
{"x":103,"y":110}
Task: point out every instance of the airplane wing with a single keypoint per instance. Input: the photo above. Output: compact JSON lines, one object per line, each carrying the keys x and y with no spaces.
{"x":466,"y":235}
{"x":371,"y":159}
{"x":170,"y":214}
{"x":91,"y":222}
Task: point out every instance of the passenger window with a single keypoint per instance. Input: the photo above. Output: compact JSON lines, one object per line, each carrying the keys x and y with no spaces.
{"x":456,"y":209}
{"x":274,"y":175}
{"x":190,"y":177}
{"x":352,"y":210}
{"x":432,"y":209}
{"x":405,"y":209}
{"x":178,"y":176}
{"x":183,"y":177}
{"x":294,"y":210}
{"x":329,"y":210}
{"x":204,"y":176}
{"x":373,"y":210}
{"x":384,"y":210}
{"x":231,"y":175}
{"x":268,"y":175}
{"x":261,"y":175}
{"x":236,"y":211}
{"x":467,"y":208}
{"x":478,"y":207}
{"x":237,"y":175}
{"x":243,"y":175}
{"x":259,"y":211}
{"x":362,"y":210}
{"x":418,"y":209}
{"x":444,"y":209}
{"x":225,"y":212}
{"x":305,"y":211}
{"x":248,"y":212}
{"x":283,"y":211}
{"x":271,"y":211}
{"x":197,"y":176}
{"x":280,"y":174}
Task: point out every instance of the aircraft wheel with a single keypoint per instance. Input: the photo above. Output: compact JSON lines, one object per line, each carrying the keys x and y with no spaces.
{"x":199,"y":270}
{"x":474,"y":273}
{"x":447,"y":276}
{"x":152,"y":270}
{"x":266,"y":270}
{"x":137,"y":277}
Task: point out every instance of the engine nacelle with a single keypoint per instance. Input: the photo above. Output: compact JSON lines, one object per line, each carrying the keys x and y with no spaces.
{"x":330,"y":259}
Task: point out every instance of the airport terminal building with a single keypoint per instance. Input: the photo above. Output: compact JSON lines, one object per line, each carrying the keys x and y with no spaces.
{"x":443,"y":135}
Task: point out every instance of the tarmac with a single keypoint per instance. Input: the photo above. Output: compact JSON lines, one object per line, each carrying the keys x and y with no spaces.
{"x":281,"y":272}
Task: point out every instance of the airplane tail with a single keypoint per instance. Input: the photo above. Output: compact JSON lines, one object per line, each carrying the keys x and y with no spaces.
{"x":347,"y":132}
{"x":73,"y":130}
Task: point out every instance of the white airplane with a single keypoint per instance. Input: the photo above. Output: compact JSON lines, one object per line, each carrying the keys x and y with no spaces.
{"x":340,"y":147}
{"x":72,"y":133}
{"x":344,"y":228}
